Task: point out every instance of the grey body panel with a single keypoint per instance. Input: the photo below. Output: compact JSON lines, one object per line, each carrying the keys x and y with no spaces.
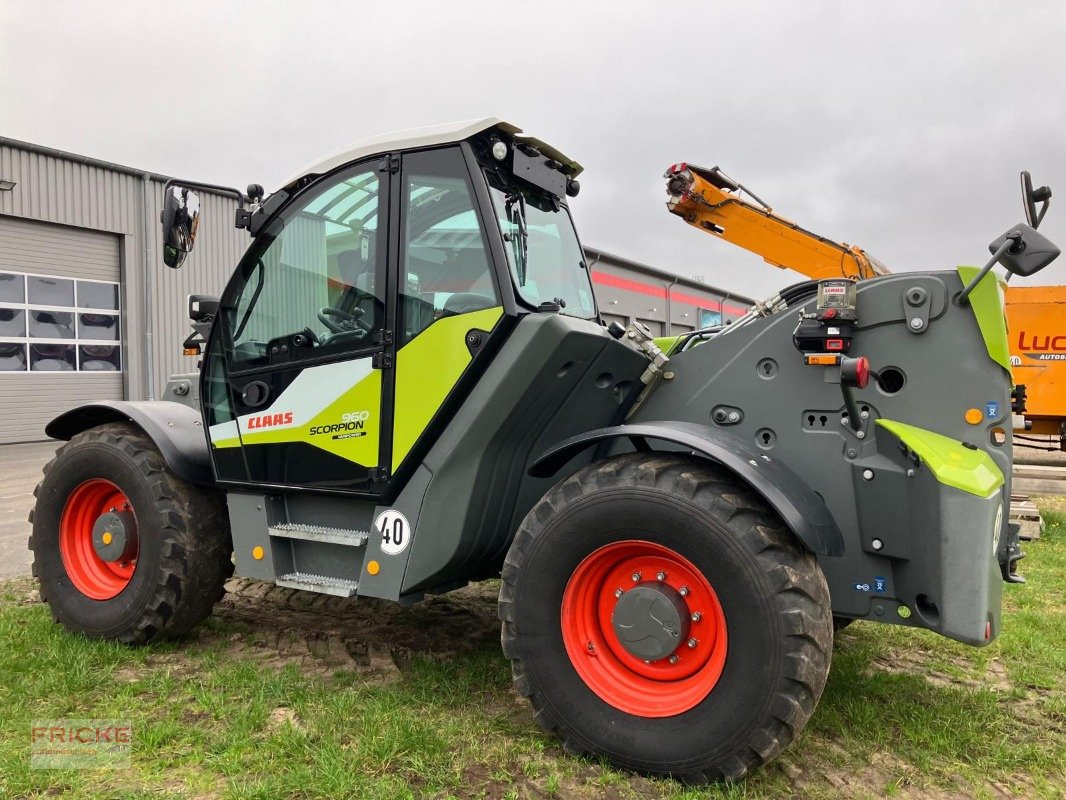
{"x":799,"y":506}
{"x":176,"y":429}
{"x":556,"y":376}
{"x":794,"y":412}
{"x":184,"y":389}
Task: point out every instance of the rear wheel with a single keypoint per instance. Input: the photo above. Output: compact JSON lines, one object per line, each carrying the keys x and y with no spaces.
{"x":123,"y":548}
{"x":658,"y":614}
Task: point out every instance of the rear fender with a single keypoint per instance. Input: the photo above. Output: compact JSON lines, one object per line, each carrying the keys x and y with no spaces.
{"x":176,"y":429}
{"x":802,"y":510}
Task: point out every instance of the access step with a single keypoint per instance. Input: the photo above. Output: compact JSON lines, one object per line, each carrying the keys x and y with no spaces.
{"x":323,"y":584}
{"x":319,"y":533}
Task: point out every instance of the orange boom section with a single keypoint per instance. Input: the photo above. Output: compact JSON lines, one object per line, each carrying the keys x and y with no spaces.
{"x":1036,"y":319}
{"x":710,"y":200}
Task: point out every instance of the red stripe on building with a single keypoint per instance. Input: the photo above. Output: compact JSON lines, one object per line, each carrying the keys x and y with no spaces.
{"x":606,"y":279}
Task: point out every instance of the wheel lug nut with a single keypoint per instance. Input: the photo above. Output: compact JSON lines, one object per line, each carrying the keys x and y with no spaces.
{"x":618,"y":592}
{"x":636,"y":577}
{"x":696,"y":616}
{"x":683,"y":591}
{"x":660,"y":576}
{"x":590,"y":647}
{"x":674,"y":659}
{"x":692,"y":642}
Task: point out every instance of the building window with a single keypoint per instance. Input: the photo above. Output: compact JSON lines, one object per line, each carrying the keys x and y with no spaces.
{"x":710,"y":317}
{"x":54,"y":324}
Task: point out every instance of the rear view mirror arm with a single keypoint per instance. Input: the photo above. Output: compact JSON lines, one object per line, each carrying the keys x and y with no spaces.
{"x":243,"y":215}
{"x":1011,"y":239}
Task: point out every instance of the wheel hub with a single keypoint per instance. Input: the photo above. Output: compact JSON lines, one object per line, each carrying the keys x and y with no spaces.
{"x":115,"y":536}
{"x":650,"y":621}
{"x":643,"y":628}
{"x":98,"y":539}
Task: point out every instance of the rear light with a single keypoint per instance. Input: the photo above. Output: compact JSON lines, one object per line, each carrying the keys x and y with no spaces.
{"x":855,"y":372}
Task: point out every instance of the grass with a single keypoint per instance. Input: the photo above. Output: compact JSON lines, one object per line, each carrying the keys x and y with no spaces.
{"x":905,"y":714}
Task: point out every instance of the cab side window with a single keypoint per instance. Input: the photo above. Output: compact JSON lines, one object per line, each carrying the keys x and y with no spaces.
{"x":315,"y":287}
{"x":444,"y":261}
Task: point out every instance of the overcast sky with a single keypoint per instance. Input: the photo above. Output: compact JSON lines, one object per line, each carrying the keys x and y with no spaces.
{"x":897,"y":126}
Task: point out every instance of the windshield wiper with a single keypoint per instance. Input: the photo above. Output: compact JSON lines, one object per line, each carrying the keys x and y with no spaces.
{"x":515,"y":206}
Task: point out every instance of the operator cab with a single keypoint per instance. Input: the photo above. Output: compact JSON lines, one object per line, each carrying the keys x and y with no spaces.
{"x":375,"y":277}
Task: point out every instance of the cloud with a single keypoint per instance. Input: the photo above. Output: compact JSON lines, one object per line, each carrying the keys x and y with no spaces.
{"x":899,"y":127}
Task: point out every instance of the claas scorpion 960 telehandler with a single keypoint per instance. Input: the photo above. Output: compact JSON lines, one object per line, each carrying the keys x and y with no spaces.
{"x":406,"y":386}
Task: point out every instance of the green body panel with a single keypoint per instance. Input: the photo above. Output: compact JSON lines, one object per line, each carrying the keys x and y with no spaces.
{"x":952,"y":463}
{"x":986,"y":300}
{"x":666,"y":343}
{"x":427,"y":368}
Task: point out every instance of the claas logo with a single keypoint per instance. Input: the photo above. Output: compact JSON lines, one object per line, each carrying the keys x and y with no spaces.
{"x":269,"y":420}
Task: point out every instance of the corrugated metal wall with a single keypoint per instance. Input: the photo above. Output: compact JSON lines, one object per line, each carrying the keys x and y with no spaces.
{"x":70,"y":190}
{"x":219,"y":246}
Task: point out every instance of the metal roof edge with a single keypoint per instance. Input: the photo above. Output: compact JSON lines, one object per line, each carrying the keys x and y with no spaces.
{"x":89,"y":161}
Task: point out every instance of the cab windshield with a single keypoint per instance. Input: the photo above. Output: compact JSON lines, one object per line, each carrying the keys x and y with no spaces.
{"x":545,"y":258}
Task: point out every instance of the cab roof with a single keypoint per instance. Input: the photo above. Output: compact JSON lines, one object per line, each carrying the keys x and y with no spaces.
{"x":424,"y":137}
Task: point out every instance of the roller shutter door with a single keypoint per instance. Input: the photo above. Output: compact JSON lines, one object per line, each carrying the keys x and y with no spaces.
{"x":60,"y":323}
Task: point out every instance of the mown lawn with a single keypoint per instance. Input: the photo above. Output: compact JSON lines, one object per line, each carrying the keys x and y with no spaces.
{"x":905,"y":714}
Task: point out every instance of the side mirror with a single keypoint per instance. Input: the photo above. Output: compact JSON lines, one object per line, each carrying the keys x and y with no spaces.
{"x":181,"y":219}
{"x":202,"y":307}
{"x":1030,"y":197}
{"x":1022,"y":250}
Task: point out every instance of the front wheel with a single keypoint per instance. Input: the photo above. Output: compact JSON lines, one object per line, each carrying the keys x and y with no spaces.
{"x":658,"y":613}
{"x":122,"y":547}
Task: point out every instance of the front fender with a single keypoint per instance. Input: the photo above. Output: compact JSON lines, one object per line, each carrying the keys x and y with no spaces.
{"x":176,"y":429}
{"x":801,"y":508}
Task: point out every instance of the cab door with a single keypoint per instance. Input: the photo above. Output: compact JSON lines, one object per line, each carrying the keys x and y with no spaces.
{"x":292,"y":381}
{"x":449,"y":302}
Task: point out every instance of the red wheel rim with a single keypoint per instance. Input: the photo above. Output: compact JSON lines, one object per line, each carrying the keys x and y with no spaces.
{"x":662,"y":688}
{"x":90,"y":574}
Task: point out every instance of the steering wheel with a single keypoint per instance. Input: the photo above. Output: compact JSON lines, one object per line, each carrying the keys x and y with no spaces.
{"x":338,"y":321}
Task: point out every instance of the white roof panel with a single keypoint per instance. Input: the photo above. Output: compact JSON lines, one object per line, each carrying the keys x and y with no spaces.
{"x":419,"y":137}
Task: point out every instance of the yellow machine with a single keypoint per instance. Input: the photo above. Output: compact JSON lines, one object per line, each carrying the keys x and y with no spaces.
{"x":711,"y":201}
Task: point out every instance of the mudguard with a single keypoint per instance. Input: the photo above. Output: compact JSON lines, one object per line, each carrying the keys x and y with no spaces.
{"x":176,"y":429}
{"x":800,"y":507}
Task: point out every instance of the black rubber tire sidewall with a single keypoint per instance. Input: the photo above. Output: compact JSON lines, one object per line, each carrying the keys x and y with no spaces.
{"x":79,"y":462}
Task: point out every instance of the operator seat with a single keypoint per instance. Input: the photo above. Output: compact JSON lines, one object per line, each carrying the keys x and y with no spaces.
{"x":465,"y":302}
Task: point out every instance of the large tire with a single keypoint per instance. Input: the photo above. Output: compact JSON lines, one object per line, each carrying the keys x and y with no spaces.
{"x":764,"y":669}
{"x":183,"y":547}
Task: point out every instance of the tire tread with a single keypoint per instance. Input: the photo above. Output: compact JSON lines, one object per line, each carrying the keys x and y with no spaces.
{"x":196,"y":549}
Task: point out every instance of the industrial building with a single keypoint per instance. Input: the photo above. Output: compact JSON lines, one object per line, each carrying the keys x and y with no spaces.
{"x":87,"y":311}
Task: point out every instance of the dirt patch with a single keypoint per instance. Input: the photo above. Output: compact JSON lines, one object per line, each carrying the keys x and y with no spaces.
{"x":281,"y":717}
{"x":882,"y":774}
{"x":994,"y":676}
{"x":321,"y":633}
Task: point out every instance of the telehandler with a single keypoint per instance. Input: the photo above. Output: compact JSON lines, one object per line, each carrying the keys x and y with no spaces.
{"x":406,"y":386}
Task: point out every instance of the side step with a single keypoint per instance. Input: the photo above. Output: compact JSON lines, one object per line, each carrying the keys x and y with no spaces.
{"x":322,"y":584}
{"x":319,"y":533}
